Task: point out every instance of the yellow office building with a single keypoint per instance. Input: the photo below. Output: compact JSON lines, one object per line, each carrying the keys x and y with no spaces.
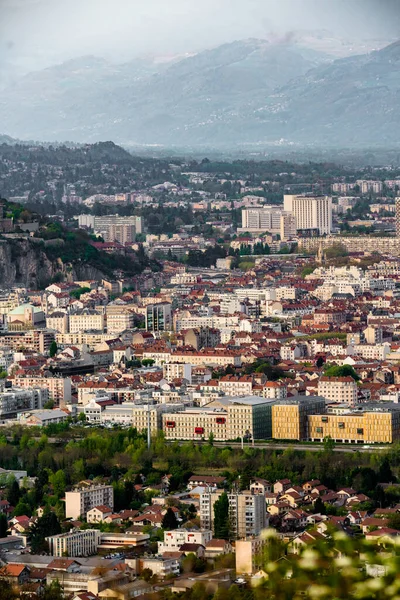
{"x":380,"y":425}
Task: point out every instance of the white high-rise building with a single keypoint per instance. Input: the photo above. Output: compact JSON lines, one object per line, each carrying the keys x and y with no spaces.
{"x":262,"y":219}
{"x":310,"y":212}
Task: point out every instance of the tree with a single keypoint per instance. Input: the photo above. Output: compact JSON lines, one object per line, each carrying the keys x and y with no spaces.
{"x":22,"y":508}
{"x":14,"y":493}
{"x":45,"y":526}
{"x":3,"y":525}
{"x":169,"y":520}
{"x":53,"y":591}
{"x":147,"y":362}
{"x":53,"y":349}
{"x":385,"y":474}
{"x":319,"y":507}
{"x":342,"y":371}
{"x":146,"y":574}
{"x":394,"y":521}
{"x":329,"y":444}
{"x":221,"y":517}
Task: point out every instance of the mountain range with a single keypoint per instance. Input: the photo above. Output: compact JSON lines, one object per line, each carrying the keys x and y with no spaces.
{"x":246,"y":92}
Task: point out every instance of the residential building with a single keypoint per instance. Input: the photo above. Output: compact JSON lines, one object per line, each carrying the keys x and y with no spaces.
{"x":85,"y":497}
{"x":76,"y":542}
{"x":248,"y":556}
{"x":175,"y":538}
{"x":338,"y":389}
{"x":397,"y":214}
{"x":159,"y":317}
{"x":262,"y":219}
{"x":59,"y":387}
{"x":310,"y":212}
{"x":247,"y":512}
{"x":86,"y":320}
{"x":17,"y":400}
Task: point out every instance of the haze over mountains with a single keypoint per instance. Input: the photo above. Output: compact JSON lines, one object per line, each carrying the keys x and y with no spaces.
{"x":246,"y":92}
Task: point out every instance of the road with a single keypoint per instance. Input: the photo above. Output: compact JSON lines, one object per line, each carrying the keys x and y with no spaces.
{"x":302,"y":447}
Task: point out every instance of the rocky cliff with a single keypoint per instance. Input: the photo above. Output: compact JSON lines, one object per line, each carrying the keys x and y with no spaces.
{"x":24,"y":262}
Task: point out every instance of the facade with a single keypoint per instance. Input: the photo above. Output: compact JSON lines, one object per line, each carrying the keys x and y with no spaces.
{"x":139,"y":416}
{"x":370,"y":425}
{"x":19,"y":400}
{"x":397,"y":213}
{"x":59,"y":387}
{"x":338,"y":390}
{"x":225,"y":419}
{"x":359,"y":243}
{"x":122,"y":233}
{"x":248,"y":556}
{"x":262,"y":219}
{"x":82,"y":499}
{"x":247,"y":512}
{"x":75,"y":543}
{"x":159,"y":317}
{"x":310,"y":212}
{"x":175,"y":538}
{"x":289,"y":417}
{"x":85,"y":320}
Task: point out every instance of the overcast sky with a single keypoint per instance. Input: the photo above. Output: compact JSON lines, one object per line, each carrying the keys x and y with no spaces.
{"x":37,"y":33}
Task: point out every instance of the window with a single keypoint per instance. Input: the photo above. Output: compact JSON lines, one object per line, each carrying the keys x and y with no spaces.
{"x":360,"y":430}
{"x":341,"y":425}
{"x":324,"y":419}
{"x":319,"y":430}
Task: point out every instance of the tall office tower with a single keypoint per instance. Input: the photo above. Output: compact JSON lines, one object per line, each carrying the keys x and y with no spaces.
{"x":310,"y":212}
{"x":398,"y":217}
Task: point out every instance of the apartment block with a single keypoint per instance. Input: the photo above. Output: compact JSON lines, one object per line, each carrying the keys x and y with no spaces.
{"x":338,"y":389}
{"x":173,"y":371}
{"x":16,"y":400}
{"x":247,"y":512}
{"x":75,"y":543}
{"x":58,"y":321}
{"x":359,"y":243}
{"x":174,"y":539}
{"x":310,"y":212}
{"x":84,"y":498}
{"x":397,"y":214}
{"x":159,"y":317}
{"x":262,"y":219}
{"x":370,"y":425}
{"x":118,"y":322}
{"x":59,"y":387}
{"x":289,"y":416}
{"x":248,"y":556}
{"x":85,"y":320}
{"x":123,"y":233}
{"x":38,"y":340}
